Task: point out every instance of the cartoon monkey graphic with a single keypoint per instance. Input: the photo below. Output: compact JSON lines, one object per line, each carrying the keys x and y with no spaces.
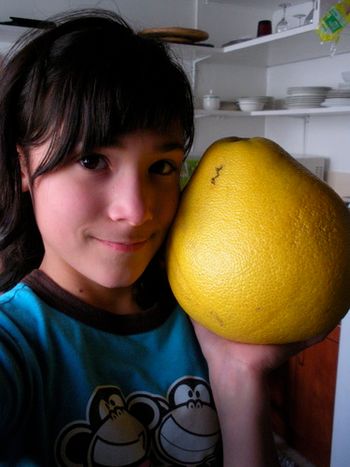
{"x":112,"y":437}
{"x":181,"y":430}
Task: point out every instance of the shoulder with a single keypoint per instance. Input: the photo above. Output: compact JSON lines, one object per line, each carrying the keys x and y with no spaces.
{"x":16,"y":298}
{"x":19,"y":325}
{"x":22,"y":314}
{"x":20,"y":300}
{"x":19,"y":292}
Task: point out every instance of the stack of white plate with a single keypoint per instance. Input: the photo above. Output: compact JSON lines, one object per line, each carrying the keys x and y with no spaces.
{"x":300,"y":97}
{"x":338,"y":97}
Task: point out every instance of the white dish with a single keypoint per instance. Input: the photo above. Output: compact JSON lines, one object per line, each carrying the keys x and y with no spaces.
{"x":304,"y":98}
{"x":333,"y":105}
{"x":311,"y":94}
{"x":254,"y":99}
{"x":303,"y":104}
{"x":250,"y":106}
{"x":338,"y":94}
{"x":341,"y":102}
{"x":308,"y":90}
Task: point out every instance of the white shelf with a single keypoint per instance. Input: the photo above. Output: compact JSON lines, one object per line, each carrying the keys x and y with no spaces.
{"x":319,"y":111}
{"x":290,"y":46}
{"x":303,"y":44}
{"x":324,"y":111}
{"x":278,"y":48}
{"x":193,"y":53}
{"x":201,"y":113}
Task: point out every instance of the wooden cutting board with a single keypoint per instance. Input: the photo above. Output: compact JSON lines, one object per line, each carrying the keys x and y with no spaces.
{"x":176,"y":40}
{"x":191,"y":35}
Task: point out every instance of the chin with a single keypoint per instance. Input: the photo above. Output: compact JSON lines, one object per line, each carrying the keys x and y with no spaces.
{"x":116,"y":282}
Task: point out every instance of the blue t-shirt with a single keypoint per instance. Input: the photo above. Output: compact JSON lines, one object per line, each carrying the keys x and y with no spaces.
{"x":80,"y":386}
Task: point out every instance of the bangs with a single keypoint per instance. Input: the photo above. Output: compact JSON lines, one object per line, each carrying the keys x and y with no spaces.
{"x":87,"y":93}
{"x":115,"y":101}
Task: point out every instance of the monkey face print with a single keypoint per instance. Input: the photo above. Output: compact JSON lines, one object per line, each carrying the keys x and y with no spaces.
{"x":144,"y":429}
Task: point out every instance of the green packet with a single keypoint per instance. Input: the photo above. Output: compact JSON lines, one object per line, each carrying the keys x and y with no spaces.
{"x":334,"y":21}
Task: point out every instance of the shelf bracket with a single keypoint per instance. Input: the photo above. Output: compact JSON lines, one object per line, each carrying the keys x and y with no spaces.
{"x":194,"y":69}
{"x":195,"y":61}
{"x":306,"y":121}
{"x":196,"y":13}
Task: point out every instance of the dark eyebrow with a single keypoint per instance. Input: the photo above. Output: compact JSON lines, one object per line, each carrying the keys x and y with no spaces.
{"x":171,"y":146}
{"x":167,"y":146}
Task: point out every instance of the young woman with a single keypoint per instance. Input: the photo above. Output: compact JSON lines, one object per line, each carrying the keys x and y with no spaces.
{"x":98,"y":365}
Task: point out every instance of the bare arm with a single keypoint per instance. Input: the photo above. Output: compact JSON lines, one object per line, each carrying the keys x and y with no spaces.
{"x":243,"y":410}
{"x":238,"y":379}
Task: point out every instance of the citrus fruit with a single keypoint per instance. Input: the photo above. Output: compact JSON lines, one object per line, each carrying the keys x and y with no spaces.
{"x":260,"y":248}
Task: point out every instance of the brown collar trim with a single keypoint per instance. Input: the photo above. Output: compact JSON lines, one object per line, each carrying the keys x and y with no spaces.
{"x":53,"y":295}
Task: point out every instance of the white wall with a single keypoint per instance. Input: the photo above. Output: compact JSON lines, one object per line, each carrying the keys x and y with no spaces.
{"x":140,"y":12}
{"x":229,"y":81}
{"x":209,"y":130}
{"x":315,"y":136}
{"x":322,"y":136}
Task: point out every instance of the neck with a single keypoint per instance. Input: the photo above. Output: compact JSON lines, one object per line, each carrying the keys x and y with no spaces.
{"x":115,"y":300}
{"x":118,"y":301}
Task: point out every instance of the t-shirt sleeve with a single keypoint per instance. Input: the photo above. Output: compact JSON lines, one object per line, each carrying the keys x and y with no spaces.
{"x":16,"y":378}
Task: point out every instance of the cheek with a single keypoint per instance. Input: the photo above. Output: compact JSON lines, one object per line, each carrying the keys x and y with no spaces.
{"x":62,"y":204}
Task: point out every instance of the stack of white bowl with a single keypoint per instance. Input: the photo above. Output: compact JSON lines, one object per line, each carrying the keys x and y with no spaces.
{"x":250,"y":104}
{"x":337,"y":97}
{"x":340,"y":96}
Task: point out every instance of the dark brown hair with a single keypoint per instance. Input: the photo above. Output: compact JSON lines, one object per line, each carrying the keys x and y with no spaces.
{"x":85,"y":80}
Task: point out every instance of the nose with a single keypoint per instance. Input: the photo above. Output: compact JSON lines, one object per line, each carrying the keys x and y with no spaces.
{"x":132,"y":200}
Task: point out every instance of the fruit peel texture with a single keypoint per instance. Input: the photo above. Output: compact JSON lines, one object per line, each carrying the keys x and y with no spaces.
{"x":260,"y":248}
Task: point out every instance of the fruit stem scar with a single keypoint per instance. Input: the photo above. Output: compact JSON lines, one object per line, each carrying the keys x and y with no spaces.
{"x":218,"y":170}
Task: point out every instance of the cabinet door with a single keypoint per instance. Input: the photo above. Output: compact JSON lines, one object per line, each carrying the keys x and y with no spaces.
{"x":313,"y":379}
{"x":303,"y":400}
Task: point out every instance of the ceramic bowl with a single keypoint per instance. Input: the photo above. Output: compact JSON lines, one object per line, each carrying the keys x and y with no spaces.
{"x":247,"y":106}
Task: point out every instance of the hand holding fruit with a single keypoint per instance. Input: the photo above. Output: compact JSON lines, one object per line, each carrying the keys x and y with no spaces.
{"x":224,"y":355}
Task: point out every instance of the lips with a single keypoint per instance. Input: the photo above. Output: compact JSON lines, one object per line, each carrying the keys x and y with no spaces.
{"x":124,"y":245}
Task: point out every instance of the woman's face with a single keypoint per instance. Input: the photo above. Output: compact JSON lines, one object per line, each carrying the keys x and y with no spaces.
{"x":103,"y":216}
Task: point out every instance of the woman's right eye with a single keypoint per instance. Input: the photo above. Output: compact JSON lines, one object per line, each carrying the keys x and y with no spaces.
{"x":93,"y":162}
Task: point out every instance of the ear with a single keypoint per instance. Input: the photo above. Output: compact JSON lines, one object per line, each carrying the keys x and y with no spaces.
{"x":24,"y":169}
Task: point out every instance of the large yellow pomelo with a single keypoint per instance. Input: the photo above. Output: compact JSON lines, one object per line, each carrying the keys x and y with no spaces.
{"x":260,"y":248}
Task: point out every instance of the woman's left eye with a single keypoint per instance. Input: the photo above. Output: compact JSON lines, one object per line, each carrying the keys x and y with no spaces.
{"x":93,"y":162}
{"x":163,"y":167}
